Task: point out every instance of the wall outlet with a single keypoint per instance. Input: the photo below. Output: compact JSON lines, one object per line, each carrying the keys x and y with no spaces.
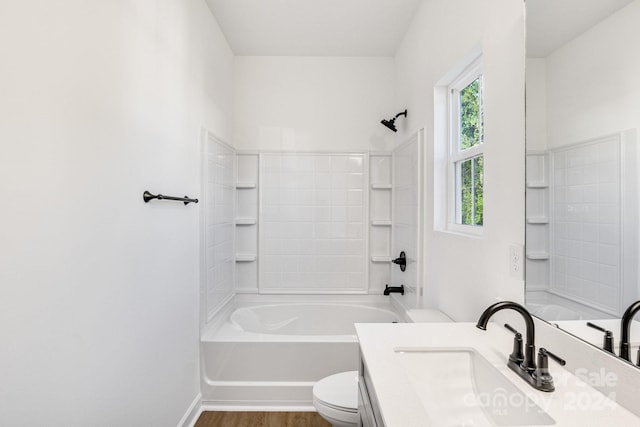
{"x":516,"y":263}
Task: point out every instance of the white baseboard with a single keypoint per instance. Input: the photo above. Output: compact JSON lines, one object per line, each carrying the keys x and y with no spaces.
{"x":191,"y":416}
{"x":256,"y":408}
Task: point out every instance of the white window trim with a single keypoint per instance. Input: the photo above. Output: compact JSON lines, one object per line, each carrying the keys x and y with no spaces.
{"x":455,"y":155}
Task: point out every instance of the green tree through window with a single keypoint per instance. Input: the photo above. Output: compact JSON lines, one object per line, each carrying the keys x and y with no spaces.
{"x":471,"y":170}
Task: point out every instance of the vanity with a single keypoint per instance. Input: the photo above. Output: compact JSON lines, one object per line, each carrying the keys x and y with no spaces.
{"x":453,"y":374}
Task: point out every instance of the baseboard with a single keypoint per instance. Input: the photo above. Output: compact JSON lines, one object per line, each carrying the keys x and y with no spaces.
{"x":191,"y":416}
{"x":256,"y":407}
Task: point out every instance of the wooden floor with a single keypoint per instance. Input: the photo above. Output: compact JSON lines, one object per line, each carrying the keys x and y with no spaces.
{"x":261,"y":419}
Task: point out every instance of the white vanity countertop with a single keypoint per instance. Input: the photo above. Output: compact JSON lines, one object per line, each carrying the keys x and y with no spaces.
{"x":573,"y":403}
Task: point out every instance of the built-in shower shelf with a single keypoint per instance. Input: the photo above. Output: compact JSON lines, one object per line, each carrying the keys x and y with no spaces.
{"x":375,"y":258}
{"x":538,"y":220}
{"x":246,"y":221}
{"x":538,"y":255}
{"x":245,"y":257}
{"x":381,"y":222}
{"x":537,"y":184}
{"x":245,"y":185}
{"x":381,"y":186}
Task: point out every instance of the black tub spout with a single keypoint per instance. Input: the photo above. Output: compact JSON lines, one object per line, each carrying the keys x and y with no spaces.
{"x":388,"y":289}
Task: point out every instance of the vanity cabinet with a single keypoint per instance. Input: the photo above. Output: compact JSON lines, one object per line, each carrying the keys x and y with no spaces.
{"x":368,"y":407}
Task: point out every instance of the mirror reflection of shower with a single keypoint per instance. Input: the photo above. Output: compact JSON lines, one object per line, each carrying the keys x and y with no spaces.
{"x":582,"y":192}
{"x":582,"y":246}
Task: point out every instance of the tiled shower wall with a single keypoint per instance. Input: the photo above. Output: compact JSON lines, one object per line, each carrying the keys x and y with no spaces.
{"x":586,"y":259}
{"x":313,"y":223}
{"x":407,"y":202}
{"x":218,"y":262}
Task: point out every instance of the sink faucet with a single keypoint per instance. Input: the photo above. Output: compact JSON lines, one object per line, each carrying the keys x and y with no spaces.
{"x":526,"y":367}
{"x":625,"y":329}
{"x":529,"y":363}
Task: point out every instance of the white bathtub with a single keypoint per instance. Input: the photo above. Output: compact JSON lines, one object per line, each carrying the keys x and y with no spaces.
{"x":310,"y":319}
{"x":265,"y":353}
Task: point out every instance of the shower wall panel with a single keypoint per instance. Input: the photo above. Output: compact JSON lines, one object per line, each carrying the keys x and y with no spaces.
{"x":407,"y":216}
{"x":313,"y":216}
{"x":219,"y":183}
{"x":586,"y":258}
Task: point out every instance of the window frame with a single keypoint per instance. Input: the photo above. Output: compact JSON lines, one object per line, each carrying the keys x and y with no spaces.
{"x":456,"y":155}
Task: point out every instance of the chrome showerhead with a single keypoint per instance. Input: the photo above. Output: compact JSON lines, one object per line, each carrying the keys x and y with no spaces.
{"x":391,"y":124}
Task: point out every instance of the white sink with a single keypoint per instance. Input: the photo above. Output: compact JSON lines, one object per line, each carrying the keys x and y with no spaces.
{"x":459,"y":387}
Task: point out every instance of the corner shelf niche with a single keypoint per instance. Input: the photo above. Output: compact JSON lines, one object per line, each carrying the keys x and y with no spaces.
{"x":246,"y":185}
{"x":246,"y":221}
{"x":380,"y":224}
{"x":538,"y":256}
{"x":381,"y":186}
{"x":246,"y":257}
{"x":537,"y":219}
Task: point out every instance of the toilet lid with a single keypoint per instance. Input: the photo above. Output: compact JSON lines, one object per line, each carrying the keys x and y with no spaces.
{"x":339,"y":390}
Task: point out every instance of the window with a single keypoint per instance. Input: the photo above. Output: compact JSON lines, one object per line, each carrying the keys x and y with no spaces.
{"x":466,"y":156}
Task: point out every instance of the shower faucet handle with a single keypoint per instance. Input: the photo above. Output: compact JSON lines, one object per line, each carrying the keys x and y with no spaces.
{"x":401,"y":261}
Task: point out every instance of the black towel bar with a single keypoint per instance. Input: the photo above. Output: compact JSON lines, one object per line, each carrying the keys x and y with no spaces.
{"x":146,"y":196}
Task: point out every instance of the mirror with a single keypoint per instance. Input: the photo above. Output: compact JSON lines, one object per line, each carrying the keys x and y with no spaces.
{"x":583,"y":116}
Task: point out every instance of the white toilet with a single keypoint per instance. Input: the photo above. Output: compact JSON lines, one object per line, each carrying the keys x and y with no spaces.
{"x":336,"y":399}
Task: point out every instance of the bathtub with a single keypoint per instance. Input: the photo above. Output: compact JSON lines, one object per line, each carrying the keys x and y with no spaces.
{"x":264,"y":352}
{"x":553,"y":312}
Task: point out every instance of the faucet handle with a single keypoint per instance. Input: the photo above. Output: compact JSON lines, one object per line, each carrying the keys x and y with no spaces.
{"x":516,"y":356}
{"x":607,"y":344}
{"x":544,"y":352}
{"x":510,"y":328}
{"x":541,"y":375}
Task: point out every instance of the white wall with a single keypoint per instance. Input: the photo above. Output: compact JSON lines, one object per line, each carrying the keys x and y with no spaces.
{"x":592,"y":85}
{"x":536,"y":104}
{"x":464,"y":274}
{"x":101,"y":101}
{"x":313,"y":103}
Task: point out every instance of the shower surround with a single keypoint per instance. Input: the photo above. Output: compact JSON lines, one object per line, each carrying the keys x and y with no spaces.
{"x":298,"y":248}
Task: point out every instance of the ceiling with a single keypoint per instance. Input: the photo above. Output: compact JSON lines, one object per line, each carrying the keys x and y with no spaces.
{"x":376,"y":27}
{"x":552,"y":23}
{"x":314,"y":27}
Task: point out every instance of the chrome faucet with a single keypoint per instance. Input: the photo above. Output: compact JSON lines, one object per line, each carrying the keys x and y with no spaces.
{"x":625,"y":329}
{"x":524,"y":365}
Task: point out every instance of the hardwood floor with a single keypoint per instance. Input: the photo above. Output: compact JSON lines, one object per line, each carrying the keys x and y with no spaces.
{"x":261,"y":419}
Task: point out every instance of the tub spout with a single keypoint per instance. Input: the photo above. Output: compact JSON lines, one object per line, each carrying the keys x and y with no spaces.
{"x":388,"y":289}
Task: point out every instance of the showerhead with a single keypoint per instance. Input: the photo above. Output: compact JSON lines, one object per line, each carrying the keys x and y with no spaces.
{"x":391,"y":124}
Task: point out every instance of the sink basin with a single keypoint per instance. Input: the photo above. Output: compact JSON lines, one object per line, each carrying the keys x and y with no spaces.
{"x":459,"y":387}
